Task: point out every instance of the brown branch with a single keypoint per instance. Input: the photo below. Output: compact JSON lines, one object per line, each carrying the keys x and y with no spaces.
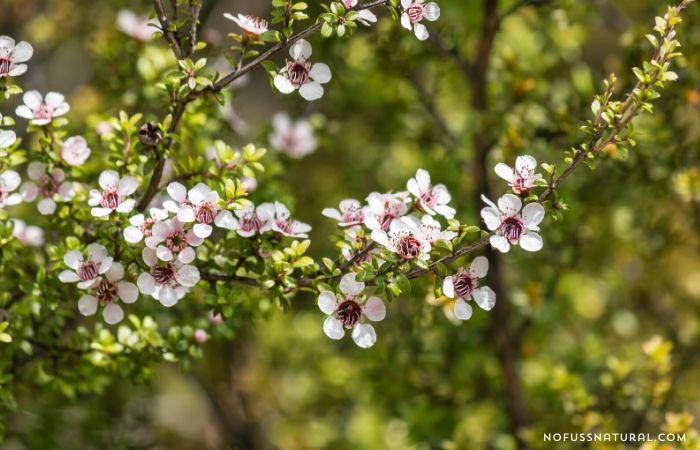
{"x":169,"y":35}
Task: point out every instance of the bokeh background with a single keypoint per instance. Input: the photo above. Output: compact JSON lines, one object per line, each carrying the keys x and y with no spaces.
{"x":600,"y":331}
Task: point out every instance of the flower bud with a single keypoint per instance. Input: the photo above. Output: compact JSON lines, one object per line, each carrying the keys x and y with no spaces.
{"x":150,"y":134}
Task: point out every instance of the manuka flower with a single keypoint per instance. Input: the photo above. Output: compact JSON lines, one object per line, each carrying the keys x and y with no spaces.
{"x":431,"y":199}
{"x":413,"y":13}
{"x":48,"y":186}
{"x":42,"y":110}
{"x":201,"y":205}
{"x":250,"y":221}
{"x":170,"y":240}
{"x":107,"y":293}
{"x":12,"y":55}
{"x":405,"y":239}
{"x":294,"y":139}
{"x":348,"y":310}
{"x":86,"y":271}
{"x":350,"y":213}
{"x":364,"y":16}
{"x":252,"y":26}
{"x":522,"y":177}
{"x":27,"y":234}
{"x":465,"y":285}
{"x":512,"y":226}
{"x":139,"y":27}
{"x":282,"y":222}
{"x":9,"y":180}
{"x":300,"y":74}
{"x":75,"y":151}
{"x":166,"y":282}
{"x":113,"y":196}
{"x":383,"y":209}
{"x":432,"y":230}
{"x":141,"y":226}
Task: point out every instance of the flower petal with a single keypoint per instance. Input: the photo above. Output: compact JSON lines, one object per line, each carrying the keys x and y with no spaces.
{"x":87,"y":305}
{"x":333,"y":328}
{"x":349,"y":286}
{"x":375,"y":309}
{"x":327,"y":302}
{"x":462,"y":310}
{"x":364,"y":335}
{"x":484,"y":297}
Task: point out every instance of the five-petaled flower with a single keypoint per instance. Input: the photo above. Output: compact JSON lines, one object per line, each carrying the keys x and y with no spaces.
{"x":347,"y":310}
{"x":107,"y":293}
{"x":300,"y":74}
{"x":430,"y":199}
{"x":383,"y":209}
{"x":46,"y":185}
{"x":252,"y":26}
{"x":141,"y":226}
{"x":351,"y":213}
{"x":251,"y":221}
{"x":27,"y":234}
{"x":405,"y":239}
{"x":432,"y":230}
{"x":282,"y":222}
{"x":201,"y":205}
{"x":294,"y":139}
{"x":42,"y":110}
{"x":166,"y":282}
{"x":512,"y":226}
{"x":522,"y":177}
{"x":465,"y":285}
{"x":113,"y":196}
{"x":413,"y":13}
{"x":12,"y":55}
{"x":86,"y":271}
{"x":75,"y":151}
{"x":170,"y":240}
{"x":9,"y":181}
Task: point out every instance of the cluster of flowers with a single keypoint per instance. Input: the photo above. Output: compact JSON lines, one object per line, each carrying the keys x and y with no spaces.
{"x":393,"y":225}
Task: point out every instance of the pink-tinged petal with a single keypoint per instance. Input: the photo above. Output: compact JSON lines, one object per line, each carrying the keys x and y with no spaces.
{"x":186,"y":214}
{"x":132,"y":235}
{"x":332,"y":214}
{"x":95,"y":197}
{"x":177,"y":191}
{"x":333,"y":328}
{"x":10,"y":179}
{"x":97,"y":252}
{"x":128,"y":185}
{"x":202,"y":230}
{"x":36,"y":170}
{"x":61,"y":109}
{"x":321,"y":73}
{"x":462,"y":310}
{"x":146,"y":283}
{"x":126,"y":206}
{"x":106,"y":264}
{"x":412,"y":186}
{"x":115,"y":272}
{"x":349,"y":286}
{"x":283,"y":84}
{"x":87,"y":305}
{"x":18,"y":70}
{"x":113,"y":313}
{"x":128,"y":292}
{"x":500,"y":243}
{"x":29,"y":191}
{"x":431,"y":12}
{"x":73,"y":259}
{"x":193,"y":239}
{"x":101,"y":212}
{"x":421,"y":31}
{"x":187,"y":255}
{"x":381,"y":238}
{"x":66,"y":191}
{"x":137,"y":220}
{"x":504,"y":171}
{"x":479,"y":267}
{"x":41,"y":122}
{"x":46,"y":206}
{"x":311,"y":91}
{"x":89,"y":284}
{"x":24,"y":112}
{"x":168,"y":296}
{"x":300,"y":50}
{"x":406,"y":21}
{"x":54,"y":99}
{"x":485,"y":298}
{"x":23,"y":52}
{"x":423,"y":180}
{"x":109,"y":179}
{"x":406,"y":3}
{"x":199,"y":193}
{"x":364,"y":335}
{"x":187,"y":275}
{"x":492,"y":218}
{"x":164,"y":253}
{"x":448,"y":287}
{"x":32,"y":99}
{"x":327,"y":302}
{"x":510,"y":204}
{"x":525,"y":164}
{"x":14,"y":199}
{"x":149,"y":256}
{"x":225,"y":220}
{"x":375,"y":309}
{"x":533,"y":214}
{"x":531,"y":242}
{"x":68,"y":276}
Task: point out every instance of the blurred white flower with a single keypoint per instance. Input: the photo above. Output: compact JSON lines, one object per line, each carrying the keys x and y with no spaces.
{"x":42,"y":110}
{"x":113,"y":196}
{"x":294,"y":139}
{"x":511,"y":225}
{"x":413,"y":13}
{"x":9,"y":181}
{"x":522,"y":177}
{"x":75,"y":151}
{"x":28,"y":235}
{"x":12,"y":55}
{"x":465,"y":285}
{"x":48,"y":186}
{"x":301,"y":75}
{"x":139,"y":27}
{"x":107,"y":293}
{"x":7,"y":138}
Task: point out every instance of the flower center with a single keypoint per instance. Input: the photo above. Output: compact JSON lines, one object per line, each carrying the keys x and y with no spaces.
{"x":464,"y":284}
{"x":408,"y":246}
{"x":87,"y":270}
{"x":349,"y":312}
{"x":111,"y":199}
{"x":298,"y":72}
{"x":285,"y":225}
{"x":48,"y":186}
{"x":415,"y":12}
{"x":3,"y":192}
{"x":164,"y":275}
{"x":251,"y":222}
{"x":5,"y":64}
{"x":353,"y":215}
{"x":176,"y":242}
{"x":512,"y":228}
{"x":290,"y":142}
{"x":147,"y":227}
{"x":254,"y":26}
{"x":427,"y":198}
{"x":205,"y":213}
{"x":42,"y":112}
{"x":106,"y":291}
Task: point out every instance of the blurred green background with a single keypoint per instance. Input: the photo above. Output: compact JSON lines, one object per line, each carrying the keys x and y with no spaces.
{"x":600,"y":331}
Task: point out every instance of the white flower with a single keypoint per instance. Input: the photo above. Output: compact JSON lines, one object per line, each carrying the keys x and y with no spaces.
{"x":294,"y":139}
{"x":47,"y":186}
{"x":9,"y":180}
{"x":86,"y":271}
{"x":166,"y":282}
{"x":356,"y":239}
{"x":7,"y":138}
{"x":135,"y":26}
{"x":252,"y":26}
{"x":301,"y":75}
{"x":109,"y":290}
{"x":282,"y":222}
{"x":405,"y":239}
{"x":141,"y":227}
{"x":11,"y":55}
{"x":42,"y":110}
{"x":511,"y":225}
{"x":75,"y":151}
{"x":250,"y":220}
{"x":522,"y":177}
{"x":465,"y":285}
{"x":351,"y":213}
{"x":200,"y":204}
{"x":364,"y":16}
{"x":113,"y":196}
{"x":346,"y":310}
{"x":431,"y":199}
{"x":432,"y":230}
{"x":170,"y":240}
{"x":27,"y":235}
{"x":383,"y":209}
{"x":414,"y":11}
